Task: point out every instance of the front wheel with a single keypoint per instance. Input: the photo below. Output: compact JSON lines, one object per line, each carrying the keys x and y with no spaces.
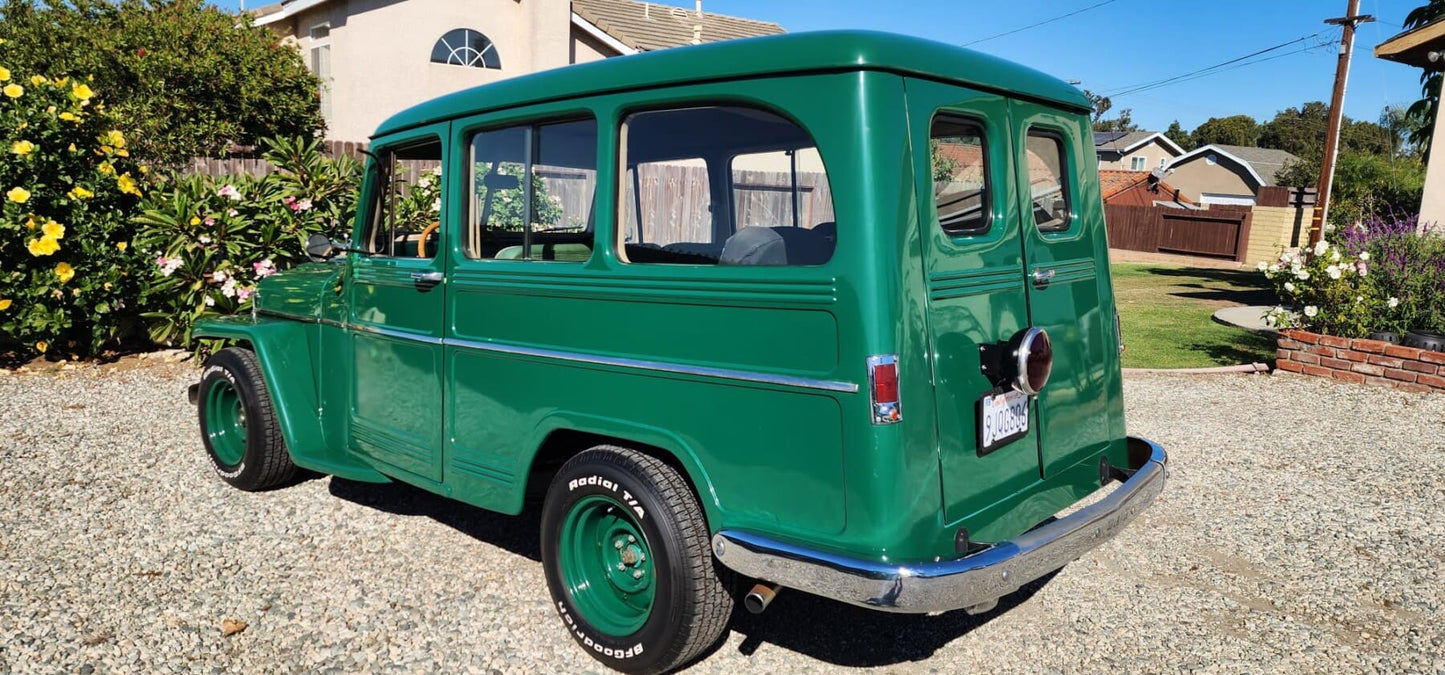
{"x":626,"y":553}
{"x":238,"y":422}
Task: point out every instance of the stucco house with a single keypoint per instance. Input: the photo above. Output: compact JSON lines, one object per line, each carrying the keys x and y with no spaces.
{"x":1226,"y":174}
{"x":1134,"y":150}
{"x":377,"y":57}
{"x":1424,"y":47}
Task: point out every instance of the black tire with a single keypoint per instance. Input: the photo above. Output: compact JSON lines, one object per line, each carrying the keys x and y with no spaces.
{"x":263,"y":461}
{"x":691,"y":603}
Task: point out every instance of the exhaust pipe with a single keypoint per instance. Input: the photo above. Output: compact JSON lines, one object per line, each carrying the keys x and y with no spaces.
{"x":760,"y":597}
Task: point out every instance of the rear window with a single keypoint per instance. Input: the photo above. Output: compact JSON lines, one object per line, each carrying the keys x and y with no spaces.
{"x":723,"y":185}
{"x":960,"y":175}
{"x":1048,"y":187}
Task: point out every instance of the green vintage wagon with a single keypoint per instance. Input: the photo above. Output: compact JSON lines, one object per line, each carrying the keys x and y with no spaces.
{"x":828,"y":312}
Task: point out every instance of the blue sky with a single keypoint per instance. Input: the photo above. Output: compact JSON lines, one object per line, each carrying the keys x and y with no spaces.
{"x":1127,"y":42}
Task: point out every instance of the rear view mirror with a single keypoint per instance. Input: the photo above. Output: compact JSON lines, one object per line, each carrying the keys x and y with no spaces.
{"x":498,"y":181}
{"x":319,"y":247}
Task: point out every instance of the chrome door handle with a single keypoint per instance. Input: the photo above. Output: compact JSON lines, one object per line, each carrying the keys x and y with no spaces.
{"x":426,"y":277}
{"x":1042,"y":278}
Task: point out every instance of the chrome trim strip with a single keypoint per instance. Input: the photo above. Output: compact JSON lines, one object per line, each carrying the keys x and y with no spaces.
{"x":395,"y":334}
{"x":662,"y":367}
{"x":971,"y":581}
{"x":331,"y":322}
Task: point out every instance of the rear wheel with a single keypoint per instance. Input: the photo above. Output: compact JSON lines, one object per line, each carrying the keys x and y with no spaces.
{"x":625,"y":548}
{"x":238,"y":422}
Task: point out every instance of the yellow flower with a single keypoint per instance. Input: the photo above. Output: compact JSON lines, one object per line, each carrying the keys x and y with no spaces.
{"x":72,"y":148}
{"x":42,"y":246}
{"x":4,"y":304}
{"x":127,"y":184}
{"x":30,"y":222}
{"x":80,"y":91}
{"x":65,"y":272}
{"x":4,"y":72}
{"x":22,"y":147}
{"x":106,"y":168}
{"x":13,"y":90}
{"x":69,"y":116}
{"x":122,"y":153}
{"x":19,"y":195}
{"x":145,"y":169}
{"x":79,"y":192}
{"x":106,"y":149}
{"x":53,"y":229}
{"x":195,"y":220}
{"x":115,"y":137}
{"x":37,"y":80}
{"x":122,"y":246}
{"x":41,"y":346}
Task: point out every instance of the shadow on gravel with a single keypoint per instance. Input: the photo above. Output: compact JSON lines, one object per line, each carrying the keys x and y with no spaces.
{"x":845,"y":635}
{"x":517,"y":534}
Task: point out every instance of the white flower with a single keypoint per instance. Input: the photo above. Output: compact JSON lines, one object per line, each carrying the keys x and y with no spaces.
{"x":210,"y":301}
{"x":1302,"y":274}
{"x":229,"y":192}
{"x":1333,"y":271}
{"x":219,"y":276}
{"x":437,"y":171}
{"x":1365,"y":256}
{"x":1289,"y":286}
{"x":424,"y":182}
{"x":1311,"y":311}
{"x":1393,"y":302}
{"x":1321,"y":247}
{"x":1327,"y":228}
{"x":1272,"y":270}
{"x":1359,"y":298}
{"x":1335,"y":255}
{"x":232,"y":213}
{"x":436,"y":206}
{"x":228,"y":289}
{"x":1363,"y":269}
{"x":1262,"y":266}
{"x":204,"y":239}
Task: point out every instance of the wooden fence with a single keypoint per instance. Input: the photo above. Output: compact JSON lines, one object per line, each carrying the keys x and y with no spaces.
{"x":1219,"y":232}
{"x":247,"y":160}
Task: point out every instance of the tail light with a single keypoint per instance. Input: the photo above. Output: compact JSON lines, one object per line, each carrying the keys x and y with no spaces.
{"x":1034,"y":356}
{"x":883,"y":389}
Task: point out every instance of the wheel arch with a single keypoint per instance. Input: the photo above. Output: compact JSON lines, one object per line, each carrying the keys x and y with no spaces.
{"x":562,"y":435}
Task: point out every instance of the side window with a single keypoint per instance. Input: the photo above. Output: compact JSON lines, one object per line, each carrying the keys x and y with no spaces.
{"x":1048,"y":186}
{"x":960,"y":175}
{"x":723,"y":185}
{"x":532,"y":192}
{"x":406,"y":211}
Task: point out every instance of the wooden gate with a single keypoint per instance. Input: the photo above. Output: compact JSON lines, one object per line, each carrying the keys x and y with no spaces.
{"x":1218,"y":232}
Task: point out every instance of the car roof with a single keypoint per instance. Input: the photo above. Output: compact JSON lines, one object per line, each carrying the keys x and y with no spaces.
{"x":753,"y":57}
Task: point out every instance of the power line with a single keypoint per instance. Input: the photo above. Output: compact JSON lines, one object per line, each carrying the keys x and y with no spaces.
{"x":1036,"y":25}
{"x":1218,"y":67}
{"x":1181,"y":79}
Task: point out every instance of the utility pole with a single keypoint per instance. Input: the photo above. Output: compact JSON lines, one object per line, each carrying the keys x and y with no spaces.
{"x":1351,"y":19}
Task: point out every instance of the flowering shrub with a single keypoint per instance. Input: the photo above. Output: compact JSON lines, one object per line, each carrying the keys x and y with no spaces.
{"x":210,"y":239}
{"x":70,"y":278}
{"x":1380,"y":275}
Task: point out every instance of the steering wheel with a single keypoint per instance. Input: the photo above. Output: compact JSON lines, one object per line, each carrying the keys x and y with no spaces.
{"x":421,"y":244}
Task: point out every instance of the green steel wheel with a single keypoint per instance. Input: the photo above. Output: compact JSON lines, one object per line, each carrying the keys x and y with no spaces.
{"x":625,"y":546}
{"x":238,"y":422}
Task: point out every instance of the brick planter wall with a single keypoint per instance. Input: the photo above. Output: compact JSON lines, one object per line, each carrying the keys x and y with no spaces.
{"x":1362,"y":361}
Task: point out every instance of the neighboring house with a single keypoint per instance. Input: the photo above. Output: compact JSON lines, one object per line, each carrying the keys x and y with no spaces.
{"x":1423,"y":48}
{"x":1140,"y":188}
{"x":378,"y":57}
{"x":1134,"y":150}
{"x":1226,"y":174}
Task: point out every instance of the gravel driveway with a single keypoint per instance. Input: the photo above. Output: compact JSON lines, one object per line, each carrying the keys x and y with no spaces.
{"x":1303,"y":530}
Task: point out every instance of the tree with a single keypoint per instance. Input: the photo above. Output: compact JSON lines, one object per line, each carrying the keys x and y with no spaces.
{"x":1426,"y":110}
{"x":1369,"y":185}
{"x":1400,"y":127}
{"x":1100,"y":104}
{"x":1298,"y":131}
{"x":1232,"y":130}
{"x":1124,"y":122}
{"x":1176,"y":133}
{"x":185,"y":79}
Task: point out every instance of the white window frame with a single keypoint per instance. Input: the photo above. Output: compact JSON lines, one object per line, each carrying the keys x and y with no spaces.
{"x":320,"y":45}
{"x":1138,"y":163}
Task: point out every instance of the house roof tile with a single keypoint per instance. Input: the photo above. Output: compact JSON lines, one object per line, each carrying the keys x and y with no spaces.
{"x":647,"y":26}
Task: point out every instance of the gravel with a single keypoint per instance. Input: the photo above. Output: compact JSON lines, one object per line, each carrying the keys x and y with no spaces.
{"x":1303,"y":530}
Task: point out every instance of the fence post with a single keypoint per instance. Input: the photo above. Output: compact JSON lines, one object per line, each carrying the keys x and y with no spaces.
{"x":1241,"y":242}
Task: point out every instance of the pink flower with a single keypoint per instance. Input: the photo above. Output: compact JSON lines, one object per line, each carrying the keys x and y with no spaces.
{"x":210,"y":221}
{"x":303,"y":205}
{"x":229,"y":192}
{"x":263,"y":268}
{"x":288,"y":201}
{"x":244,"y":294}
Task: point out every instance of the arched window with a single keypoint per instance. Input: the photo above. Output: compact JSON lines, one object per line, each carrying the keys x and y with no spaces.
{"x":466,"y":47}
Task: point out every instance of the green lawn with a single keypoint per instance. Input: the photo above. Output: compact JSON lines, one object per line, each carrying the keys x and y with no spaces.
{"x":1165,"y":315}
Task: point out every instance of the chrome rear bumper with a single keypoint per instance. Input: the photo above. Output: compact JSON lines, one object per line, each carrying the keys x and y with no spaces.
{"x":973,"y":581}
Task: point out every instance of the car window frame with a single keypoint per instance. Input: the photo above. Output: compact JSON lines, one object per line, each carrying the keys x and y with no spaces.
{"x":987,"y":205}
{"x":1066,"y":173}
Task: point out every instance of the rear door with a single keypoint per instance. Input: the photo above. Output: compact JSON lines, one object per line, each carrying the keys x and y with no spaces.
{"x":973,"y":259}
{"x":1068,"y":277}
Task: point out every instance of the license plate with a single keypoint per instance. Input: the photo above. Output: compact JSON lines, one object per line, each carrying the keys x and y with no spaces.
{"x":1002,"y":419}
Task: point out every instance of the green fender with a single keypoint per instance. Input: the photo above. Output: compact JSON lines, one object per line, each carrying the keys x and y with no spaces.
{"x":285,"y":348}
{"x":626,"y":431}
